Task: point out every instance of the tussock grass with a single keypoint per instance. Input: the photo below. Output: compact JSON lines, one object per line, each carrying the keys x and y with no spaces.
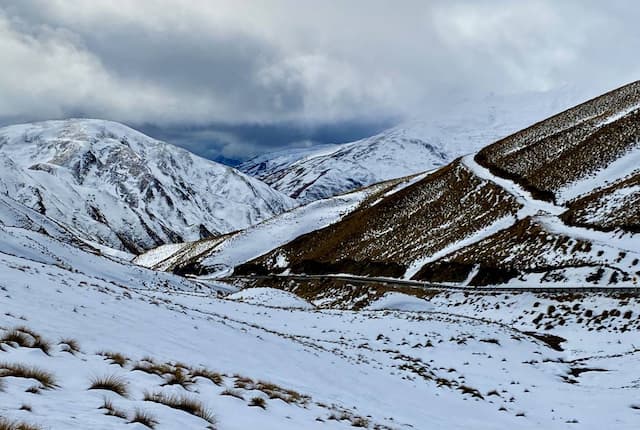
{"x":212,"y":376}
{"x":232,"y":393}
{"x":34,"y":389}
{"x":46,"y":379}
{"x":259,"y":402}
{"x":112,"y":410}
{"x":115,"y":358}
{"x":114,"y":383}
{"x":243,"y":382}
{"x":184,"y":403}
{"x":26,"y":338}
{"x":5,"y":424}
{"x":179,"y":376}
{"x":144,"y":418}
{"x":69,"y":345}
{"x":173,"y":374}
{"x":277,"y":392}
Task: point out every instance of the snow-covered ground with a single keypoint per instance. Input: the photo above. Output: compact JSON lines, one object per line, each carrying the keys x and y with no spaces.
{"x":462,"y":361}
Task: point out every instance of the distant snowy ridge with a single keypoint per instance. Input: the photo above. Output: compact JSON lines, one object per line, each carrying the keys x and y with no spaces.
{"x":412,"y":147}
{"x":125,"y":190}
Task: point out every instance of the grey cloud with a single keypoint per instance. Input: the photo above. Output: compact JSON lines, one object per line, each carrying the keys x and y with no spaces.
{"x":297,"y":64}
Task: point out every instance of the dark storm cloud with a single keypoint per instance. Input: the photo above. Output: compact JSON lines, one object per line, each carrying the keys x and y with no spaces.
{"x":223,"y":77}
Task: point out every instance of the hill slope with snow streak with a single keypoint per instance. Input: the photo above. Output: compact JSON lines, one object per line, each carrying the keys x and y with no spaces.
{"x":126,"y":190}
{"x":552,"y":204}
{"x":216,"y":257}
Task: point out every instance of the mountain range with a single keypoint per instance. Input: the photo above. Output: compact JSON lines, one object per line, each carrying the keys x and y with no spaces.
{"x":494,"y":292}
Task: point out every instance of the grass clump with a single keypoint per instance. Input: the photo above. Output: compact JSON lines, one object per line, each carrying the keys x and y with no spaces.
{"x":233,"y":393}
{"x":115,"y":358}
{"x":259,"y":402}
{"x":144,"y":418}
{"x":5,"y":424}
{"x":46,"y":379}
{"x":183,"y":403}
{"x":69,"y":345}
{"x":179,"y":376}
{"x":112,"y":410}
{"x":26,"y":338}
{"x":114,"y":383}
{"x":212,"y":376}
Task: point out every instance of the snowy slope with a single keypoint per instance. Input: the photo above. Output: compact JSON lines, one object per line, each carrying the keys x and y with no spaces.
{"x":471,"y":359}
{"x":126,"y":190}
{"x":409,"y":148}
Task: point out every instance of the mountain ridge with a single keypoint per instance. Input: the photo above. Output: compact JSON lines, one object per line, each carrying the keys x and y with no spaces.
{"x":125,"y":189}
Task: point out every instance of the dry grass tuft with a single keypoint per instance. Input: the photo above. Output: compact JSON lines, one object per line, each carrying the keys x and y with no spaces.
{"x":243,"y":382}
{"x":69,"y":345}
{"x":114,"y":383}
{"x":182,"y":402}
{"x":26,"y":338}
{"x":111,"y":410}
{"x":212,"y":376}
{"x":5,"y":424}
{"x":277,"y":392}
{"x":46,"y":379}
{"x":259,"y":402}
{"x":115,"y":358}
{"x":144,"y":418}
{"x":232,"y":393}
{"x":179,"y":376}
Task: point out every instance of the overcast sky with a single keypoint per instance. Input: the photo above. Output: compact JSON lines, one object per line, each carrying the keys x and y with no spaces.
{"x":235,"y":78}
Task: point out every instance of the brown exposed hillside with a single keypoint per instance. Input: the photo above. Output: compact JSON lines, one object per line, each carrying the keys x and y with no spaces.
{"x":614,"y":207}
{"x":566,"y":147}
{"x":463,"y":224}
{"x":443,"y":208}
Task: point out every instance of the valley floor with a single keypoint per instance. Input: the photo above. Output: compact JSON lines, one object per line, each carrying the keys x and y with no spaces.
{"x":456,"y":361}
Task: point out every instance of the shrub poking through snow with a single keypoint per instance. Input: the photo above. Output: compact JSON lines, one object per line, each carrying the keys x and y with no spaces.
{"x":182,"y":402}
{"x":46,"y":379}
{"x":114,"y":383}
{"x":144,"y":418}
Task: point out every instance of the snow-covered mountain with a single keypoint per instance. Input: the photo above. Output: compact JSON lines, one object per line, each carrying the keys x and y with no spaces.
{"x":556,"y":203}
{"x":415,"y":146}
{"x":123,"y":189}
